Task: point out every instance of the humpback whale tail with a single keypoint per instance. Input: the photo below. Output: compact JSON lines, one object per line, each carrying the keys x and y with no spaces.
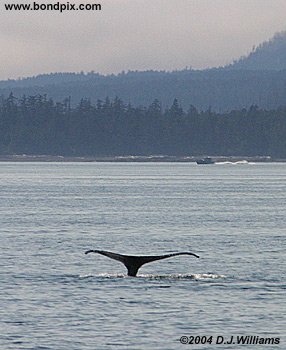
{"x":132,"y":262}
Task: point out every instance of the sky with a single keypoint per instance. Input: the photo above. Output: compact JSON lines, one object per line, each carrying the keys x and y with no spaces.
{"x":134,"y":35}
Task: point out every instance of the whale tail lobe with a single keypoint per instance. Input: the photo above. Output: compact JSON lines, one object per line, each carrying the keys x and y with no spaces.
{"x":132,"y":262}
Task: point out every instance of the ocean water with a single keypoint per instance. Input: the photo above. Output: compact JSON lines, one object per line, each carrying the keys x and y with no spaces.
{"x":54,"y":297}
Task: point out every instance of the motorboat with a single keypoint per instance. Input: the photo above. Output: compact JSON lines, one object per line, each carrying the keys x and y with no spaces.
{"x":206,"y":160}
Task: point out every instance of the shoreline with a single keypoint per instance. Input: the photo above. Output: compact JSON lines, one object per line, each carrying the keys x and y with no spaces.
{"x":151,"y":158}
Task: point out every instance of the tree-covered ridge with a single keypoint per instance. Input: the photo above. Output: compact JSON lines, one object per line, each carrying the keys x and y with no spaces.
{"x":222,"y":89}
{"x":39,"y":125}
{"x":269,"y":55}
{"x":259,"y":78}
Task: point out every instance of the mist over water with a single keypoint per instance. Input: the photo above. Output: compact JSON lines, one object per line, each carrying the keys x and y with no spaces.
{"x":53,"y":296}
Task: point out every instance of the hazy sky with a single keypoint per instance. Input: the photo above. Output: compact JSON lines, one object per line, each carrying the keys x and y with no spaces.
{"x":134,"y":35}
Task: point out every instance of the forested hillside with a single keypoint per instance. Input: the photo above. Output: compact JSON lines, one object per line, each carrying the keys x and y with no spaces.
{"x":220,"y":89}
{"x":270,"y":55}
{"x":39,"y":125}
{"x":259,"y":78}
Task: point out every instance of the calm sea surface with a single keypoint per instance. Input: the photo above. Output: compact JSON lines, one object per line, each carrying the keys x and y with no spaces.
{"x":54,"y":297}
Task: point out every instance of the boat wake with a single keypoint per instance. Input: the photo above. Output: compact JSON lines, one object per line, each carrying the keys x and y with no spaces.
{"x":235,"y":163}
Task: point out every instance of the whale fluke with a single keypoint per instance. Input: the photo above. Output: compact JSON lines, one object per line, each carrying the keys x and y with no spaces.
{"x":132,"y":262}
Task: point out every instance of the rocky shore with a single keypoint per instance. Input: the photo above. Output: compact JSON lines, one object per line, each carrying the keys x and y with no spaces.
{"x":151,"y":158}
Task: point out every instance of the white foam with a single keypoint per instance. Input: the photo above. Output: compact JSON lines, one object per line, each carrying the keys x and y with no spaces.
{"x":197,"y":276}
{"x":235,"y":163}
{"x":103,"y":275}
{"x":200,"y":276}
{"x":183,"y":276}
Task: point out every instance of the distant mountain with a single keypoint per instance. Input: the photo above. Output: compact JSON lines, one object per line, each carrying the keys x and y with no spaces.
{"x":270,"y":55}
{"x":48,"y":79}
{"x":258,"y":79}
